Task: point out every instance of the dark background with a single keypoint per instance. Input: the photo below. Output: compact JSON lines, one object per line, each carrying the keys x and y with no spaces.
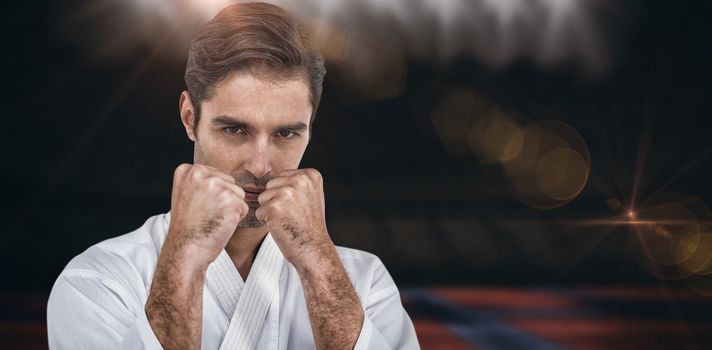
{"x":90,"y":145}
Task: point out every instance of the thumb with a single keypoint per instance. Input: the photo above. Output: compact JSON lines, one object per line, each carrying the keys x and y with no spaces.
{"x":261,"y":214}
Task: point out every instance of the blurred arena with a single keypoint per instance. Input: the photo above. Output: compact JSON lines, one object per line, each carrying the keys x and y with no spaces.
{"x":532,"y":172}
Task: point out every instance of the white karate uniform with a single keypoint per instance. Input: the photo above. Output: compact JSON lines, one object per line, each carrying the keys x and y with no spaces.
{"x":98,"y":300}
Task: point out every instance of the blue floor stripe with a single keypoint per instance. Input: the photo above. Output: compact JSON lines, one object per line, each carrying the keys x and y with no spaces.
{"x":481,"y":329}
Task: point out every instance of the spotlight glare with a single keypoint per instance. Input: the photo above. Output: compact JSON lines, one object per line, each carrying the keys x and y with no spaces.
{"x":631,"y":214}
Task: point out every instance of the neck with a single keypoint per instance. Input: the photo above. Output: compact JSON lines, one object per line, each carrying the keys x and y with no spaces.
{"x":242,"y":248}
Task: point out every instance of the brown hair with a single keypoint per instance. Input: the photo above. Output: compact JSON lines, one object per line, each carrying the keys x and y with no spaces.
{"x":256,"y":38}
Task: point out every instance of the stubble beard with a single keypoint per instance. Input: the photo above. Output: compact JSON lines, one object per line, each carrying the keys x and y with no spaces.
{"x":250,"y":220}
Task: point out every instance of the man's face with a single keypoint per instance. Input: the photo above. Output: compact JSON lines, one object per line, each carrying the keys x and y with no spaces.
{"x":253,"y":129}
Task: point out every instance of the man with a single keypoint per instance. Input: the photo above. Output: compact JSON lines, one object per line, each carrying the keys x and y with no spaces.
{"x":243,"y":259}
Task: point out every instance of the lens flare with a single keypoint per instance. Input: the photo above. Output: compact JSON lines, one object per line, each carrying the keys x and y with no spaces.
{"x":698,"y":256}
{"x":672,"y":239}
{"x":553,"y":165}
{"x":561,"y":174}
{"x":454,"y":119}
{"x":614,"y":203}
{"x":662,"y":232}
{"x":368,"y":71}
{"x":495,"y":137}
{"x":361,"y":68}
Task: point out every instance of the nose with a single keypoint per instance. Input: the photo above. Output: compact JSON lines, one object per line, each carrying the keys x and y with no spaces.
{"x":258,"y":162}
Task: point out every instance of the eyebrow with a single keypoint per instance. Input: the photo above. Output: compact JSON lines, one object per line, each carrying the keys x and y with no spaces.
{"x":235,"y":122}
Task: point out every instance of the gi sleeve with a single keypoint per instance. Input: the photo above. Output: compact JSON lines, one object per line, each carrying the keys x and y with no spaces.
{"x":88,"y":310}
{"x":386,"y":324}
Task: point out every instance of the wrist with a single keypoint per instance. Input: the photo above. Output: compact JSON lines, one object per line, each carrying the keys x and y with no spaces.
{"x":182,"y":259}
{"x":194,"y":247}
{"x":319,"y":261}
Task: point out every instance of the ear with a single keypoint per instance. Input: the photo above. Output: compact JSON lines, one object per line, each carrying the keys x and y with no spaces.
{"x":186,"y":115}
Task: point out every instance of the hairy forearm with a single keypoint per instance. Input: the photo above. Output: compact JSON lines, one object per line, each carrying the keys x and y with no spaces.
{"x":334,"y":309}
{"x":175,"y":303}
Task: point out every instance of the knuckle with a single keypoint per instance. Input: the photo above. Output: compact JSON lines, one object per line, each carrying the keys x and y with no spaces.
{"x":312,"y":173}
{"x":182,"y":168}
{"x":239,"y":192}
{"x":226,"y":196}
{"x":269,"y":206}
{"x":197,"y":173}
{"x":303,"y":180}
{"x":213,"y":183}
{"x":225,"y":203}
{"x":287,"y":191}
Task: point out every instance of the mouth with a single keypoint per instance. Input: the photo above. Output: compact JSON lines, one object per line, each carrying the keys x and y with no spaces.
{"x":251,"y":194}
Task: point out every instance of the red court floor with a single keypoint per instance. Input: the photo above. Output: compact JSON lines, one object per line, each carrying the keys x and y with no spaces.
{"x":494,"y":318}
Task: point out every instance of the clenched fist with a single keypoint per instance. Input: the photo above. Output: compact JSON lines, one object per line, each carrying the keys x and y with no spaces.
{"x":292,"y":208}
{"x":206,"y":207}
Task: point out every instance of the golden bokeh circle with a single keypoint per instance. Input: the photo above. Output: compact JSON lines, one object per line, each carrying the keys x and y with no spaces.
{"x":669,"y":233}
{"x":456,"y":119}
{"x":673,"y":239}
{"x":552,"y":167}
{"x":561,"y":174}
{"x":495,"y":137}
{"x":696,"y":257}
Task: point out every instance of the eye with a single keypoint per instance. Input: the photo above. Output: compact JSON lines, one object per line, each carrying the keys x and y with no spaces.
{"x":287,"y":134}
{"x":232,"y":129}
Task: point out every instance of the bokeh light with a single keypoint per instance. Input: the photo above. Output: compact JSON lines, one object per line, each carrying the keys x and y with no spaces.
{"x":668,"y":233}
{"x":672,"y":238}
{"x":698,"y":256}
{"x":332,"y":41}
{"x":455,"y":119}
{"x":561,"y":174}
{"x":495,"y":137}
{"x":552,"y":167}
{"x":546,"y":164}
{"x":614,"y":203}
{"x":363,"y":69}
